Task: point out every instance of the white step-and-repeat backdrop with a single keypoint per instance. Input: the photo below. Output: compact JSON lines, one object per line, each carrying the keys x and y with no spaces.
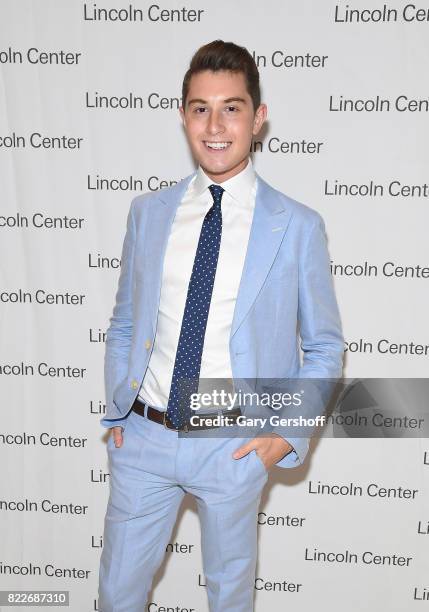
{"x":89,"y":97}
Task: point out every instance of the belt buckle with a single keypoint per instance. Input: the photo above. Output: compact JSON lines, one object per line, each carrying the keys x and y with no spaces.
{"x":185,"y":428}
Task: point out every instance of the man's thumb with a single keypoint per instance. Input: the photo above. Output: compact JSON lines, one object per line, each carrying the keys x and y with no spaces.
{"x":117,"y":436}
{"x":242,"y":450}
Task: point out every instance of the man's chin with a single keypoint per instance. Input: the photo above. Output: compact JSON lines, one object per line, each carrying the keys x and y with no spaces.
{"x":215,"y":169}
{"x":219,"y":168}
{"x":219,"y":175}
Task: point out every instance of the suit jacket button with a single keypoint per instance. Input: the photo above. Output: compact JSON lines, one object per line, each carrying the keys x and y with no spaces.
{"x":134,"y":384}
{"x":147,"y":344}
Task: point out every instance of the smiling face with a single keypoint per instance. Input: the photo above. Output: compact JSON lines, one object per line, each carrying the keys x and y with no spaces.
{"x":220,"y":122}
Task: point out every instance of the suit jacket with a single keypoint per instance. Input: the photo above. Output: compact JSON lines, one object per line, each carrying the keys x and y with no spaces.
{"x":285,"y":299}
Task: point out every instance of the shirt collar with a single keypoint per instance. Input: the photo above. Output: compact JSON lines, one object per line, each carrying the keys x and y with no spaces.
{"x":238,"y":186}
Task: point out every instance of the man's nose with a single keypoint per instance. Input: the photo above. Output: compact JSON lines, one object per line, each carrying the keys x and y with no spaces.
{"x":215,"y":124}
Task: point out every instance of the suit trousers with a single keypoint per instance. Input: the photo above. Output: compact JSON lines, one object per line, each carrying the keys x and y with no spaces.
{"x":149,"y":476}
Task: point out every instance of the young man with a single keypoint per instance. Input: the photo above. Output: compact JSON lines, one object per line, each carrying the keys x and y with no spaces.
{"x":217,"y":272}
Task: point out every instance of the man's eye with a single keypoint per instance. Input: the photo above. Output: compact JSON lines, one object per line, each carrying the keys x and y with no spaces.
{"x":232,"y":107}
{"x":199,"y":108}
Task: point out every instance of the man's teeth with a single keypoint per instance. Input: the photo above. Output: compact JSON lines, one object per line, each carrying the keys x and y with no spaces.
{"x":218,"y":145}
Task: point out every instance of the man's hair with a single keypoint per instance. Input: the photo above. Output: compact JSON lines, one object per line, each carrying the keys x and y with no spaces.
{"x":219,"y":55}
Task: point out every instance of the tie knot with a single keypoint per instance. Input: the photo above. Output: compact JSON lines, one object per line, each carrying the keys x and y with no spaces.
{"x":216,"y":191}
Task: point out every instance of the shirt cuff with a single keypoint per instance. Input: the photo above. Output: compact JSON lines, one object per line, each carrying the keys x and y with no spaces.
{"x":114,"y":422}
{"x":296,"y":456}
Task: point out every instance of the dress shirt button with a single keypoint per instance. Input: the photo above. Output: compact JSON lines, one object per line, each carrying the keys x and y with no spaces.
{"x":148,"y":344}
{"x":134,"y":384}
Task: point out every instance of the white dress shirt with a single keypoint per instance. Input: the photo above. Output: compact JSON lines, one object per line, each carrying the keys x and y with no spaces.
{"x":238,"y":202}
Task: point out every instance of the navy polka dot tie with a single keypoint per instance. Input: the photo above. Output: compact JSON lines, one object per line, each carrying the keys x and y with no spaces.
{"x":187,"y":364}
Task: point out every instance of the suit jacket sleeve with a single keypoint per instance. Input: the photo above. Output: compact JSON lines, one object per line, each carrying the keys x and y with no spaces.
{"x":321,"y":335}
{"x":120,"y":330}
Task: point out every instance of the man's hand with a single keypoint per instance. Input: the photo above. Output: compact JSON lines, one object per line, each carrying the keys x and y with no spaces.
{"x":270,"y":448}
{"x":116,"y":433}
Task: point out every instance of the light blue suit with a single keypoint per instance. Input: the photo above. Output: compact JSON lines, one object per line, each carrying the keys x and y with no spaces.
{"x":286,"y":287}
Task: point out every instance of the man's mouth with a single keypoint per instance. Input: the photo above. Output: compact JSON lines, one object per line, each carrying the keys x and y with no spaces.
{"x":217,"y":146}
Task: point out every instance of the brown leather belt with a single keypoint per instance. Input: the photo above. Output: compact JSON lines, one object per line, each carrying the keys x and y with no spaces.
{"x":160,"y":416}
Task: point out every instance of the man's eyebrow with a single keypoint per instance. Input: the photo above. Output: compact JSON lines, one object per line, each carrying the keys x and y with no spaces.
{"x":197,"y":101}
{"x":226,"y":101}
{"x":235,"y":99}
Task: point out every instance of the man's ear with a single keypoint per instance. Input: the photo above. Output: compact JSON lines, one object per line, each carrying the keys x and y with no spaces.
{"x":182,"y":115}
{"x":260,"y":116}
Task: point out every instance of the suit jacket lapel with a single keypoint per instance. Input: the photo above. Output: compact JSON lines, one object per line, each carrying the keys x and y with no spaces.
{"x":269,"y":214}
{"x":156,"y":232}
